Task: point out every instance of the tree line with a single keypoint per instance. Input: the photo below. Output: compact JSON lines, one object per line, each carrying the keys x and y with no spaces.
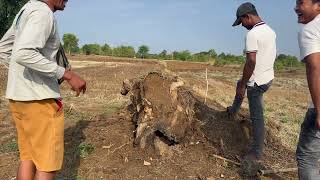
{"x":70,"y":42}
{"x":71,"y":45}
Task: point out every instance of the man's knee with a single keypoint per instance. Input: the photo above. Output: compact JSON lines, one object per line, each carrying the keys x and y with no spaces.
{"x":307,"y":160}
{"x":308,"y":174}
{"x":40,"y":175}
{"x":26,"y":170}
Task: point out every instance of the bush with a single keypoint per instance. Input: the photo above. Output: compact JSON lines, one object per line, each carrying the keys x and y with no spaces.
{"x":286,"y":61}
{"x":91,"y":49}
{"x":224,"y":59}
{"x":124,"y":51}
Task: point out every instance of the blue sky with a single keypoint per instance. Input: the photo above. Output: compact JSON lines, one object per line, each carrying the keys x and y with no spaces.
{"x":195,"y":25}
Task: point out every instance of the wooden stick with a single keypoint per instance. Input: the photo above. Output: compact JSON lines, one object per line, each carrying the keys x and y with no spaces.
{"x":274,"y":171}
{"x":205,"y":100}
{"x":120,"y":147}
{"x":225,"y":159}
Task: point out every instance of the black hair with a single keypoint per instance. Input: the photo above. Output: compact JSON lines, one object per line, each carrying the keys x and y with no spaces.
{"x":315,"y":1}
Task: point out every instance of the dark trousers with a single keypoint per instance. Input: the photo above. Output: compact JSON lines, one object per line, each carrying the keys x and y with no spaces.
{"x":255,"y":98}
{"x":308,"y":150}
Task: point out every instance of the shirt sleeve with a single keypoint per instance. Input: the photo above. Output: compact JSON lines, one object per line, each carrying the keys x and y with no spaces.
{"x":251,"y":43}
{"x":309,"y":42}
{"x":6,"y":45}
{"x":31,"y":39}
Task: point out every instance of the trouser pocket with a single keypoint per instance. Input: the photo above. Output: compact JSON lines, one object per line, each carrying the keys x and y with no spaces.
{"x":264,"y":87}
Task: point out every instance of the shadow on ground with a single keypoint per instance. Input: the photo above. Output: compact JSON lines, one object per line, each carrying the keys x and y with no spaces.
{"x":74,"y":136}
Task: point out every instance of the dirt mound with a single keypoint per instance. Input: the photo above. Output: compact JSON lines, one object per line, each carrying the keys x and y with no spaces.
{"x":163,"y":107}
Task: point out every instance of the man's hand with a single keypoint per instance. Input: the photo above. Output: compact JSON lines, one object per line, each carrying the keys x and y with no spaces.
{"x":75,"y":81}
{"x":241,"y":90}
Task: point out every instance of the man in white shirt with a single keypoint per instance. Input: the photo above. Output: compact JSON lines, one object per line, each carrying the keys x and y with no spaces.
{"x":308,"y":149}
{"x":258,"y":73}
{"x":30,"y":48}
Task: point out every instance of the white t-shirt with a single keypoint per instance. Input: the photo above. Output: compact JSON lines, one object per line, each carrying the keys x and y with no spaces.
{"x":262,"y":40}
{"x":309,"y":40}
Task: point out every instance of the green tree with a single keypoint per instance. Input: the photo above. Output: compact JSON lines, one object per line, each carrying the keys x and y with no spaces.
{"x":88,"y":49}
{"x":222,"y":55}
{"x":106,"y":50}
{"x":286,"y":61}
{"x":163,"y":55}
{"x":175,"y":55}
{"x":85,"y":49}
{"x":124,"y":51}
{"x":224,"y":59}
{"x":205,"y":56}
{"x":212,"y":53}
{"x":70,"y":43}
{"x":183,"y":55}
{"x":8,"y":11}
{"x":143,"y":51}
{"x":202,"y":56}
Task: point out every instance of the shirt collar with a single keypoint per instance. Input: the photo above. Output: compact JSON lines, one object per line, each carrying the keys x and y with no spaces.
{"x":259,"y":24}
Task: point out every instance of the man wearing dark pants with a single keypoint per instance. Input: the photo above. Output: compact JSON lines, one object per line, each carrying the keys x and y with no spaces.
{"x":308,"y":150}
{"x":258,"y":73}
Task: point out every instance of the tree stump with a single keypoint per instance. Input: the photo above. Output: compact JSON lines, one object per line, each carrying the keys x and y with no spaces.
{"x":162,"y":109}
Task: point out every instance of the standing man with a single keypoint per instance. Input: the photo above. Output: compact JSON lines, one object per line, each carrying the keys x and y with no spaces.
{"x":30,"y":47}
{"x":258,"y":73}
{"x":308,"y":150}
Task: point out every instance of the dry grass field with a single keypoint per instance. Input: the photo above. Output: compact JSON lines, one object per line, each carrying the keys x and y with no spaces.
{"x":99,"y":132}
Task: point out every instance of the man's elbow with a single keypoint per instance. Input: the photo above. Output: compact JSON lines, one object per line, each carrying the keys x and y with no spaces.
{"x":21,"y":56}
{"x":4,"y":58}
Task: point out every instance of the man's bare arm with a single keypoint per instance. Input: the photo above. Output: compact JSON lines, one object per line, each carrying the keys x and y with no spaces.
{"x":247,"y":73}
{"x":249,"y":67}
{"x":313,"y":76}
{"x":75,"y":81}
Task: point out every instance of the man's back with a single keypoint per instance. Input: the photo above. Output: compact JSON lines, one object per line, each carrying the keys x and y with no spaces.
{"x":262,"y":40}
